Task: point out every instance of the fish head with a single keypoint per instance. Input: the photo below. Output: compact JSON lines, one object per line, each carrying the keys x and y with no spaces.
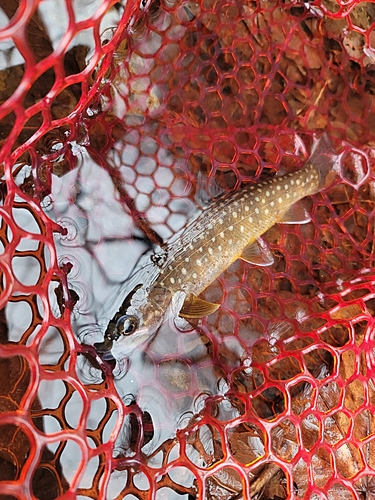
{"x":138,"y":320}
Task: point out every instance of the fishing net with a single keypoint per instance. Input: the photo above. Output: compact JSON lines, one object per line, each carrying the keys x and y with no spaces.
{"x":116,"y":119}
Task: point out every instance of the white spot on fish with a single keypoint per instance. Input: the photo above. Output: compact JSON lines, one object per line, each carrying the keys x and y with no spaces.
{"x":221,"y":221}
{"x":247,"y":208}
{"x":292,"y":182}
{"x":221,"y":235}
{"x":220,"y":248}
{"x":172,"y":280}
{"x":263,"y":200}
{"x":201,"y":249}
{"x":230,"y":242}
{"x":298,"y":182}
{"x":280,"y":200}
{"x":201,"y":236}
{"x":257,"y":210}
{"x":267,"y":193}
{"x":266,"y":211}
{"x":278,"y":188}
{"x":286,"y":187}
{"x":213,"y":239}
{"x":250,"y":220}
{"x":170,"y":268}
{"x":186,"y":259}
{"x":242,"y":229}
{"x":195,"y":276}
{"x":183,"y":270}
{"x":210,"y":251}
{"x":234,"y":215}
{"x":272,"y":204}
{"x":230,"y":228}
{"x":198,"y":262}
{"x":257,"y":199}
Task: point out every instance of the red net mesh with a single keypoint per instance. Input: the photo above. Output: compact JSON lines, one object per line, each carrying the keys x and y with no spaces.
{"x":273,"y":395}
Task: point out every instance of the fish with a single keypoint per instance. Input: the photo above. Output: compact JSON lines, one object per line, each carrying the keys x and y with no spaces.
{"x":230,"y":228}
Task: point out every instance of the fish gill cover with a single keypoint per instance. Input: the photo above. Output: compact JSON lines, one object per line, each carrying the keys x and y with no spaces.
{"x":110,"y":114}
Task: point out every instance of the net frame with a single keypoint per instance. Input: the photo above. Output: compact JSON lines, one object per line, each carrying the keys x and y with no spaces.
{"x":348,"y":291}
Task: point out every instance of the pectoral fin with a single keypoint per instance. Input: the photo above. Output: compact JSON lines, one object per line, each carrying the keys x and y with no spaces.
{"x":194,"y":307}
{"x":296,"y":214}
{"x":258,"y":253}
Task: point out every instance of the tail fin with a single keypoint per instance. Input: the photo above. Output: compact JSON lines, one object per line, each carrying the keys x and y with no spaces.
{"x":325,"y":160}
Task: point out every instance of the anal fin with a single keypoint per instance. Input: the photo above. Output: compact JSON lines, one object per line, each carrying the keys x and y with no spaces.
{"x":194,"y":307}
{"x":296,"y":214}
{"x":258,"y":253}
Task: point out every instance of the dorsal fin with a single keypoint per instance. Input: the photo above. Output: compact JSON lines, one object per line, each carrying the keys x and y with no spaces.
{"x":258,"y":253}
{"x":208,"y":190}
{"x":194,"y":307}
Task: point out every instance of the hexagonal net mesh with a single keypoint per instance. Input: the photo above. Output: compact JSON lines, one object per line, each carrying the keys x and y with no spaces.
{"x":114,"y":116}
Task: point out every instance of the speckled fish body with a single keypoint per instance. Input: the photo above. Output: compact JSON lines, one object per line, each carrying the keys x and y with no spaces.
{"x":220,"y":234}
{"x":230,"y":228}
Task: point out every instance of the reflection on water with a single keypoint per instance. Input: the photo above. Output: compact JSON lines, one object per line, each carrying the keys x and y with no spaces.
{"x":98,"y":249}
{"x":166,"y":384}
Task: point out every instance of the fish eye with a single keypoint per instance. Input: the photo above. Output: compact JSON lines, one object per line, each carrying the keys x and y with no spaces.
{"x":126,"y":325}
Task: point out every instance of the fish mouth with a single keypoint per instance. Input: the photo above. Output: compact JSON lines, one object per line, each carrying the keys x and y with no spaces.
{"x":104,"y":348}
{"x":106,"y":356}
{"x":116,"y":344}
